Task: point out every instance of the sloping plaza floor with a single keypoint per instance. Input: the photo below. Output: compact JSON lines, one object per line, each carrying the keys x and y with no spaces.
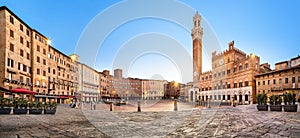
{"x":188,"y":121}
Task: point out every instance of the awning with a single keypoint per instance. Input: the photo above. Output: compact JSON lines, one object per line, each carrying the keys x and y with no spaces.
{"x":45,"y":96}
{"x":90,"y":96}
{"x":22,"y":91}
{"x":65,"y":96}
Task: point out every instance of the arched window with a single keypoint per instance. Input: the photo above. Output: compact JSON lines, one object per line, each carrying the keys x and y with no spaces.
{"x":246,"y":66}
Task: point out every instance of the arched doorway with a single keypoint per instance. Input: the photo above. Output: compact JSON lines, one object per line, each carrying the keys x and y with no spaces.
{"x":246,"y":97}
{"x":240,"y":99}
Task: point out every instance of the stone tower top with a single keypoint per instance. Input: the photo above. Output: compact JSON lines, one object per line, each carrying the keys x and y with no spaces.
{"x":197,"y":31}
{"x":197,"y":19}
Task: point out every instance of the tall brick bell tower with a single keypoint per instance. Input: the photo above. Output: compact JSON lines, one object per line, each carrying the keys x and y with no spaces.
{"x":197,"y":33}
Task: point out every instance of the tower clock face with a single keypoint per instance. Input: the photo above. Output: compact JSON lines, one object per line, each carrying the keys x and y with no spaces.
{"x":221,"y":62}
{"x":195,"y":73}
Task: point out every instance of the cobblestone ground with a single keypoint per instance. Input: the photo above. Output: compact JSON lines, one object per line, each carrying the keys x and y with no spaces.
{"x":240,"y":121}
{"x":67,"y":122}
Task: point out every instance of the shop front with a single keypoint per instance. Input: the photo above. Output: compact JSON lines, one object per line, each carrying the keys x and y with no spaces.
{"x":22,"y":93}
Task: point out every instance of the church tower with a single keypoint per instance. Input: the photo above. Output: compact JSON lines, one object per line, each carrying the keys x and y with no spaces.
{"x":197,"y":33}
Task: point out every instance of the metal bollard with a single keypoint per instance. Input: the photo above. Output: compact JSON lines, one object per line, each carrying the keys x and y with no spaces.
{"x":175,"y":105}
{"x":139,"y":106}
{"x":208,"y":103}
{"x":91,"y":106}
{"x":110,"y":106}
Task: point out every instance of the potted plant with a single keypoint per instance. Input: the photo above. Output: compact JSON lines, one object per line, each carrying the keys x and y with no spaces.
{"x":275,"y":103}
{"x":289,"y":102}
{"x":35,"y":107}
{"x":5,"y":105}
{"x":20,"y":106}
{"x":50,"y":107}
{"x":262,"y":102}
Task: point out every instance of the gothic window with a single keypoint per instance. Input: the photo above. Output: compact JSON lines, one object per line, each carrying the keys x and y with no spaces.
{"x":246,"y":65}
{"x":246,"y":83}
{"x":235,"y":85}
{"x":240,"y":84}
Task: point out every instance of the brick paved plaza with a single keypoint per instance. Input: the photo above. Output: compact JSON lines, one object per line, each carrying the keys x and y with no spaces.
{"x":226,"y":121}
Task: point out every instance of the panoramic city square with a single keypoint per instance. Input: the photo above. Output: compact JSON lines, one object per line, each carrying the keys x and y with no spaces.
{"x":218,"y":121}
{"x":151,"y":68}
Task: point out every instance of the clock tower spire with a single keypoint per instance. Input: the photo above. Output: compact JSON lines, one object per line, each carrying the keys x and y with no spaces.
{"x":197,"y":33}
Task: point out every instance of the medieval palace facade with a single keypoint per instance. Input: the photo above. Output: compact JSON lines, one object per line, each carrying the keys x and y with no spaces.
{"x":232,"y":74}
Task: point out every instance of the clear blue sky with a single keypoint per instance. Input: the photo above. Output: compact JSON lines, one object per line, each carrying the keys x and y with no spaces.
{"x":268,"y":28}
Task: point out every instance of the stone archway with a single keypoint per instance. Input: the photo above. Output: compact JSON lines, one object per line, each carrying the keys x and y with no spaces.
{"x":247,"y":97}
{"x":240,"y":98}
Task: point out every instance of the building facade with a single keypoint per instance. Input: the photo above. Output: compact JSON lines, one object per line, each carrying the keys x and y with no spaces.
{"x":15,"y":48}
{"x":172,"y":90}
{"x":153,"y":89}
{"x":39,"y":64}
{"x":60,"y":76}
{"x":88,"y":84}
{"x":125,"y":88}
{"x":27,"y":62}
{"x":105,"y":80}
{"x":232,"y":74}
{"x":284,"y":78}
{"x":185,"y":92}
{"x":295,"y":61}
{"x":31,"y":63}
